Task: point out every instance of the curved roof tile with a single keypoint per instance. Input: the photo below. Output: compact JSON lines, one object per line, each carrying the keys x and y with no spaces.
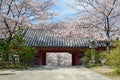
{"x":45,"y":38}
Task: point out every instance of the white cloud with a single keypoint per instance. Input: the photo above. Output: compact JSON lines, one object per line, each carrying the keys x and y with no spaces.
{"x":63,"y":9}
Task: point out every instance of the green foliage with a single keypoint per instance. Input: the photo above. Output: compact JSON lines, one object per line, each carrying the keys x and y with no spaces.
{"x":8,"y":65}
{"x":27,"y":54}
{"x":10,"y":49}
{"x":92,"y":52}
{"x":17,"y":39}
{"x":4,"y":50}
{"x":114,"y":57}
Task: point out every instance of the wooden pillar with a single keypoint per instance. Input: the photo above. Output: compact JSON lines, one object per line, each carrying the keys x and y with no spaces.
{"x":75,"y":59}
{"x":42,"y":58}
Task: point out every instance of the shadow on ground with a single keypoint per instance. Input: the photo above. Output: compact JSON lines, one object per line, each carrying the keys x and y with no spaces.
{"x":53,"y":67}
{"x":4,"y":74}
{"x":48,"y":68}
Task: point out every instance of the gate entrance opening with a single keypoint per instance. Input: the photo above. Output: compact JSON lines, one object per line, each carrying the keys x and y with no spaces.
{"x":58,"y":59}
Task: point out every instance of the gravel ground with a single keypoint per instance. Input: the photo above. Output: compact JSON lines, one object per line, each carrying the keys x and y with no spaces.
{"x":52,"y":73}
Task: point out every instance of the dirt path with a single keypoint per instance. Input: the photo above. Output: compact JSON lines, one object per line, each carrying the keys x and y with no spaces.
{"x":69,"y":73}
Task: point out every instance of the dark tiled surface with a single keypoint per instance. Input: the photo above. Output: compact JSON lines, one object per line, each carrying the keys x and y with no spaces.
{"x":46,"y":38}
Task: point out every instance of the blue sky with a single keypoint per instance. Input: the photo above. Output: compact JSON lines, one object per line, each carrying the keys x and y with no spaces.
{"x":63,"y":10}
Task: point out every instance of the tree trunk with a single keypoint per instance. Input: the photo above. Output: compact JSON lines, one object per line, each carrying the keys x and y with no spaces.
{"x":108,"y":35}
{"x":13,"y":60}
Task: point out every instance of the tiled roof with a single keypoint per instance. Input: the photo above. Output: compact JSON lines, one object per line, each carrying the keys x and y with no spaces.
{"x":46,"y":38}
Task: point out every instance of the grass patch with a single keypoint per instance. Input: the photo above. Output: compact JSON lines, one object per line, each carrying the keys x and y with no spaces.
{"x":12,"y":66}
{"x":107,"y":71}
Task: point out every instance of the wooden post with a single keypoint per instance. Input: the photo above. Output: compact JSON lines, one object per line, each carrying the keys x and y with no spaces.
{"x":75,"y":59}
{"x":40,"y":59}
{"x":44,"y":58}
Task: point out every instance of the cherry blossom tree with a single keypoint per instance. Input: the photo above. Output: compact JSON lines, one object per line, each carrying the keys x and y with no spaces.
{"x":103,"y":15}
{"x":15,"y":14}
{"x":75,"y":29}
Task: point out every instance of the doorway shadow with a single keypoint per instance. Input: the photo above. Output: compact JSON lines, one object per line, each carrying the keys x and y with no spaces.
{"x":53,"y":67}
